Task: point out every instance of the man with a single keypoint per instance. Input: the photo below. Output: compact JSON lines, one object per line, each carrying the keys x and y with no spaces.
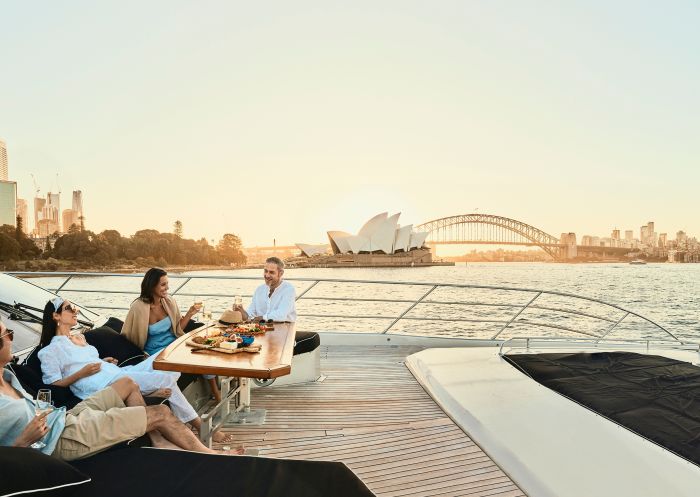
{"x":275,"y":299}
{"x":111,"y":416}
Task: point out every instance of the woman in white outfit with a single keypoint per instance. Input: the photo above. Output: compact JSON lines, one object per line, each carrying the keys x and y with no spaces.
{"x":69,"y":361}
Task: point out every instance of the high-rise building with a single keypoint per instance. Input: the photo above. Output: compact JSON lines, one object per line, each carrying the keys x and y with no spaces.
{"x":77,"y":205}
{"x":69,"y":218}
{"x":39,"y":204}
{"x":629,"y":235}
{"x":8,"y":203}
{"x":3,"y":161}
{"x":663,"y":240}
{"x":22,"y":209}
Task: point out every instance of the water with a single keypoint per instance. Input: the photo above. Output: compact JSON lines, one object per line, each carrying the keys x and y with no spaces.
{"x":665,"y":293}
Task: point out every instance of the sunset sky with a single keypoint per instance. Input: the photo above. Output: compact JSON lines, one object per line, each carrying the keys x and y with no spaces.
{"x":283,"y":120}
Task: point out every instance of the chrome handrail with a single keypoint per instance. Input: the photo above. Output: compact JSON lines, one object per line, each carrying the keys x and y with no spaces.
{"x":541,"y":342}
{"x":412,"y":303}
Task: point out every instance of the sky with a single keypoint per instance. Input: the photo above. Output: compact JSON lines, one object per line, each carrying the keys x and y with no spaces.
{"x":282,"y":120}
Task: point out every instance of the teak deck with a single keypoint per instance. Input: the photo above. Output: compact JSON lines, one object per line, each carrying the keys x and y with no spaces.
{"x":371,"y":414}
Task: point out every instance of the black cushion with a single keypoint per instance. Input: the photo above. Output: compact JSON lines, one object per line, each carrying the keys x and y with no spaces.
{"x":306,"y":341}
{"x":115,"y":323}
{"x":109,"y":343}
{"x":29,"y":376}
{"x":192,"y":325}
{"x":28,"y":471}
{"x":169,"y":473}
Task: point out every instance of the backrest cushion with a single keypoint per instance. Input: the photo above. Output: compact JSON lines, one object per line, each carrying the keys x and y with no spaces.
{"x":109,"y":343}
{"x":27,"y":471}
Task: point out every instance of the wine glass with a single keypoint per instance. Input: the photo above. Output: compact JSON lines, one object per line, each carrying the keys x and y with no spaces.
{"x":42,"y":405}
{"x":237,"y":300}
{"x":198,"y":303}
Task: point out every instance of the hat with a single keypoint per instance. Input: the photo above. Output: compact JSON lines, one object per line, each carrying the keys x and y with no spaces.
{"x":231,"y":317}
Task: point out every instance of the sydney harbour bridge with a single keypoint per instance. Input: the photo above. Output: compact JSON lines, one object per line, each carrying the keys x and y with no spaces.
{"x":488,"y":229}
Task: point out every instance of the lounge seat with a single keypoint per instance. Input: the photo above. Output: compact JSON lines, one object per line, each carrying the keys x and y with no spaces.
{"x":169,"y":473}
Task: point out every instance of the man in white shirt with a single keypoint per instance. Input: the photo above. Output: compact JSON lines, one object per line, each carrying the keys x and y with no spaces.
{"x":273,"y":300}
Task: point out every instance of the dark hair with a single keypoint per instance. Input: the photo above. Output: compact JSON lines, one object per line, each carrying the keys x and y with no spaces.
{"x":150,"y":282}
{"x":48,"y":324}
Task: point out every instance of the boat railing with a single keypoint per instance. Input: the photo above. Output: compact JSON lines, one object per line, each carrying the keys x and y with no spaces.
{"x":539,"y":343}
{"x":390,"y":307}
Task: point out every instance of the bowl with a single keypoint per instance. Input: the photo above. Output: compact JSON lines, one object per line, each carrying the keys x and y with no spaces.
{"x":247,"y":340}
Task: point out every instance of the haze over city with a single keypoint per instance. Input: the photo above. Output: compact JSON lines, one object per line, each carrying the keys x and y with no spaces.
{"x":284,"y":120}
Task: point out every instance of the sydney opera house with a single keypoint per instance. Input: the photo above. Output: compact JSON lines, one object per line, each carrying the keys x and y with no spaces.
{"x":380,"y":235}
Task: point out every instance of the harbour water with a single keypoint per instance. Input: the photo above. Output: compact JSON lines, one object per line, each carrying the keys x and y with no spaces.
{"x":668,"y":294}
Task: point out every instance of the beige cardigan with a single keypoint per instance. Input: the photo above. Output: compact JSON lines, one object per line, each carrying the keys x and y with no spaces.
{"x":136,"y":324}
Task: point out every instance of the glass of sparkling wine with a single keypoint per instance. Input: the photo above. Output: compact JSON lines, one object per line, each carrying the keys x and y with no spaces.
{"x":199,"y":303}
{"x":42,"y":405}
{"x":206,"y":313}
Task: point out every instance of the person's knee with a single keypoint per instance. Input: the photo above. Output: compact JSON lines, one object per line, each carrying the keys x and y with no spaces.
{"x":126,"y":383}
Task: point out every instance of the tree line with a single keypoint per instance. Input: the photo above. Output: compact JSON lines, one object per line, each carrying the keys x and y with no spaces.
{"x":110,"y":247}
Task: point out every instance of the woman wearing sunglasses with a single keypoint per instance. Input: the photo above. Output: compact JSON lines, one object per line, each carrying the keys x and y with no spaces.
{"x":69,"y":361}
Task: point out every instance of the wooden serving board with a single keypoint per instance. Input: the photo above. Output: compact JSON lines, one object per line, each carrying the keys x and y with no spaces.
{"x":253,"y":348}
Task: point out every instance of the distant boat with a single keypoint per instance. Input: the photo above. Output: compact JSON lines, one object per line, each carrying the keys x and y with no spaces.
{"x":638,"y":261}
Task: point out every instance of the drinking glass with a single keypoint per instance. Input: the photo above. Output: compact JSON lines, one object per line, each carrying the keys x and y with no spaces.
{"x":206,"y":314}
{"x":199,"y":303}
{"x":42,"y":405}
{"x":237,"y":300}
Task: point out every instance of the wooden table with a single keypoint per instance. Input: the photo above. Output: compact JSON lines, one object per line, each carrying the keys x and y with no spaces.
{"x":273,"y":360}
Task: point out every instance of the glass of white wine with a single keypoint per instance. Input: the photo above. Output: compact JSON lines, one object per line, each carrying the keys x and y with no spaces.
{"x":42,"y":405}
{"x":198,"y":303}
{"x":237,"y":300}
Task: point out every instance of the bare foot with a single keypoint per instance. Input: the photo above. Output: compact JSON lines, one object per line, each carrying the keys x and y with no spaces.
{"x":161,"y":392}
{"x":220,"y":437}
{"x":238,"y":451}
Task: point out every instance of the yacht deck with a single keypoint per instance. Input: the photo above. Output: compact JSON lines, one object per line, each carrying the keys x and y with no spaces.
{"x":370,"y":413}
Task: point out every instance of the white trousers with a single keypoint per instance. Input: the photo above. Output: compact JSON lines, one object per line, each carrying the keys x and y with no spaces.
{"x":150,"y":380}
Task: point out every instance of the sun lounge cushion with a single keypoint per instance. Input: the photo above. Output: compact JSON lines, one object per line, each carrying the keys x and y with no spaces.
{"x":29,"y":376}
{"x":168,"y":473}
{"x":306,"y":341}
{"x":26,"y":471}
{"x":109,"y":343}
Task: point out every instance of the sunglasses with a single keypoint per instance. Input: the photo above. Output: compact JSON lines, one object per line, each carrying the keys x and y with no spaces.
{"x":72,"y":308}
{"x":9,"y":333}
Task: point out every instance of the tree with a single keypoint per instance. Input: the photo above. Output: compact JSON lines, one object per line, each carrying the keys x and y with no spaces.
{"x":18,"y":229}
{"x":229,"y":249}
{"x":177,"y":228}
{"x":9,"y":248}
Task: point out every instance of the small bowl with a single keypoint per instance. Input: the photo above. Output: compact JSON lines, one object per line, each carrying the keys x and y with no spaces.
{"x":247,"y":340}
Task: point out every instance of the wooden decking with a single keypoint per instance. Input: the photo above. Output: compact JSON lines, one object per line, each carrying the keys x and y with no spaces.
{"x":370,"y":413}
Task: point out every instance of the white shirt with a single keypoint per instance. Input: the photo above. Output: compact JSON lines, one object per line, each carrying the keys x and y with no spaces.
{"x":279,"y":307}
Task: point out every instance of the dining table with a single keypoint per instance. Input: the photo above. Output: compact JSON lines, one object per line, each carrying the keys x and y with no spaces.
{"x":274,"y":359}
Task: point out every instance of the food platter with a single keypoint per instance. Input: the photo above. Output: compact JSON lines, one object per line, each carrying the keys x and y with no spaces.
{"x":242,"y":329}
{"x":222,"y":341}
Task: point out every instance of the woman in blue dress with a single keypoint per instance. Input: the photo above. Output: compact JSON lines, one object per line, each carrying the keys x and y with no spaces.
{"x":154,"y":320}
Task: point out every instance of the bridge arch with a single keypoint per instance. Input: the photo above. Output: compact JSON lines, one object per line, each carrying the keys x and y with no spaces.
{"x":503,"y":231}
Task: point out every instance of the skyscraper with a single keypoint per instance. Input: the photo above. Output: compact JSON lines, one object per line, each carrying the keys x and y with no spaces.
{"x":78,"y":202}
{"x":39,"y":204}
{"x":22,"y":212}
{"x":3,"y":161}
{"x":8,"y":203}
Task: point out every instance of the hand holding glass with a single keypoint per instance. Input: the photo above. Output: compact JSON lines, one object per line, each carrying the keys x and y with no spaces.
{"x":42,"y":405}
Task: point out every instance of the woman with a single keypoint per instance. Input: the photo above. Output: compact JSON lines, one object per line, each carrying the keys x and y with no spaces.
{"x":69,"y":361}
{"x":154,"y":319}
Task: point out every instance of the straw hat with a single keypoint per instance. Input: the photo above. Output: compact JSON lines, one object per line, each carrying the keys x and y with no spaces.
{"x":231,"y":317}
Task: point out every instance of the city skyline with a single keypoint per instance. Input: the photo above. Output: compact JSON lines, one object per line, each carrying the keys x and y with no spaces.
{"x":280,"y":121}
{"x":48,"y":210}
